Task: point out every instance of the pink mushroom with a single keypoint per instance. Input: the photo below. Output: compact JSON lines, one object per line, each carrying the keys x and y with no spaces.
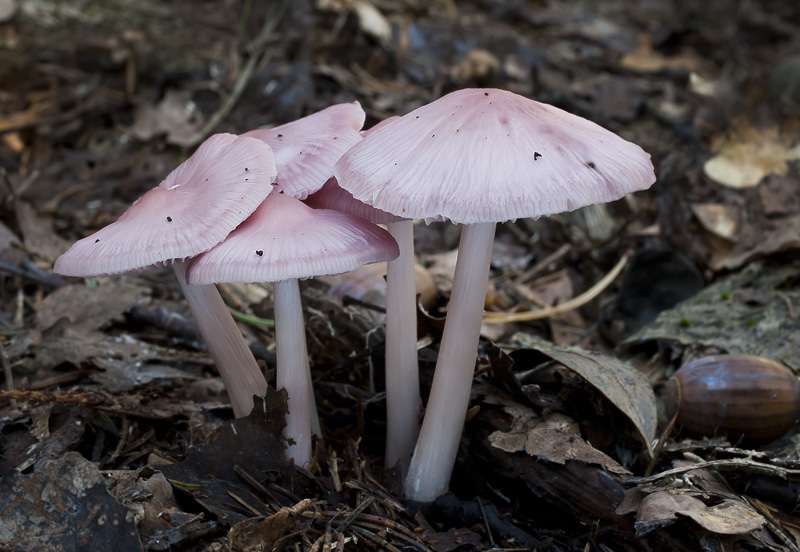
{"x":403,"y":402}
{"x":305,"y":151}
{"x":477,"y":157}
{"x":282,"y":241}
{"x":192,"y":210}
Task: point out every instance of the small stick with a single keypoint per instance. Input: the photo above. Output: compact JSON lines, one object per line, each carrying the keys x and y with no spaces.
{"x":579,"y":301}
{"x":8,"y":375}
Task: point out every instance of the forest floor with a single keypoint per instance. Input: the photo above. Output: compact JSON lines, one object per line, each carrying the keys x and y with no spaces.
{"x":118,"y":435}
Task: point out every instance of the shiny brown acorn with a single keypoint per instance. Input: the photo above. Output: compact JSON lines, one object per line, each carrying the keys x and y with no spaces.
{"x":747,"y":398}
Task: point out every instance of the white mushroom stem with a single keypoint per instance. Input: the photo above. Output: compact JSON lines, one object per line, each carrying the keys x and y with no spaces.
{"x":237,"y":366}
{"x":435,"y":453}
{"x":403,"y":402}
{"x":293,"y":370}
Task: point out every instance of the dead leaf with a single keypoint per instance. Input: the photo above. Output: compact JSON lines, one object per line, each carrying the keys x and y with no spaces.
{"x":645,"y":60}
{"x":88,"y":308}
{"x":38,"y":234}
{"x":253,"y":443}
{"x":64,"y":506}
{"x":729,"y":517}
{"x":559,"y":446}
{"x":372,"y":22}
{"x":176,"y":115}
{"x":780,"y":195}
{"x":260,"y":534}
{"x":119,"y":376}
{"x":626,"y":388}
{"x":146,"y":493}
{"x":721,"y":220}
{"x":747,"y":154}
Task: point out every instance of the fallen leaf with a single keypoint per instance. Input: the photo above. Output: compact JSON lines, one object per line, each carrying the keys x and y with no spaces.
{"x":626,"y":388}
{"x":745,"y":155}
{"x":721,"y":220}
{"x":64,"y":506}
{"x":780,"y":195}
{"x":262,"y":534}
{"x":176,"y":115}
{"x":88,"y":308}
{"x":729,"y":517}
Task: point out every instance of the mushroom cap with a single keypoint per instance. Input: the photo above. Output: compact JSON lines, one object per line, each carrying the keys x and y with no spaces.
{"x":192,"y":210}
{"x":284,"y":238}
{"x":332,"y":196}
{"x":306,"y":149}
{"x":487,"y":155}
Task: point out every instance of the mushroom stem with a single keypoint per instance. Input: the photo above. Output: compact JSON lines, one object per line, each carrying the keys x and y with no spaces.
{"x":292,"y":370}
{"x":403,"y":402}
{"x":435,"y":453}
{"x":236,"y":364}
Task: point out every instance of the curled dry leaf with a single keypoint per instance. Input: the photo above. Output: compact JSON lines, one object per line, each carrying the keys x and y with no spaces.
{"x":729,"y":517}
{"x":256,"y":534}
{"x":554,"y":440}
{"x":721,"y":220}
{"x":622,"y":385}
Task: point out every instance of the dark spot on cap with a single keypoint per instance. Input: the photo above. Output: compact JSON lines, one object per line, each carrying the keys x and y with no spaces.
{"x":246,"y":179}
{"x":417,"y":117}
{"x":206,"y":179}
{"x":280,"y":135}
{"x":335,"y":137}
{"x":536,"y":155}
{"x":280,"y":192}
{"x":259,"y":252}
{"x":97,"y":240}
{"x":591,"y":165}
{"x":433,"y":136}
{"x":246,"y":169}
{"x":485,"y":93}
{"x":169,"y":219}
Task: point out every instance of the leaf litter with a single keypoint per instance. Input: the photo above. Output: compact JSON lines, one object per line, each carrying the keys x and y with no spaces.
{"x":112,"y":388}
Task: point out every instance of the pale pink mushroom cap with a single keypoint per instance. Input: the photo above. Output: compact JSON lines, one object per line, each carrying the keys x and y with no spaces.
{"x":487,"y":155}
{"x":192,"y":210}
{"x":306,"y":149}
{"x":285,"y":239}
{"x":332,"y":196}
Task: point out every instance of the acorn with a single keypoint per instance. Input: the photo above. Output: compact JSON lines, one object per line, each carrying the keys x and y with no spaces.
{"x":747,"y":398}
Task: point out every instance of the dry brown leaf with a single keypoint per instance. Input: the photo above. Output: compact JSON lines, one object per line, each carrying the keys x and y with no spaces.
{"x":721,"y":220}
{"x":747,"y":154}
{"x":88,"y":308}
{"x":261,"y":535}
{"x":730,"y":517}
{"x":622,"y":385}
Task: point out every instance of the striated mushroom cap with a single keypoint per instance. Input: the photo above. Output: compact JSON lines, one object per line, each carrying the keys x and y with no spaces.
{"x":306,"y":149}
{"x":192,"y":210}
{"x":487,"y":155}
{"x":286,"y":239}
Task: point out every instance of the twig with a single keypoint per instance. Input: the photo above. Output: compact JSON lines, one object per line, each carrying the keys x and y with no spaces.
{"x":82,"y":399}
{"x":579,"y":301}
{"x":732,"y":464}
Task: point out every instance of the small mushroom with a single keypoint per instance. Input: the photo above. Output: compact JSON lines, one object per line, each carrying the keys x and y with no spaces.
{"x":192,"y":210}
{"x":294,"y":241}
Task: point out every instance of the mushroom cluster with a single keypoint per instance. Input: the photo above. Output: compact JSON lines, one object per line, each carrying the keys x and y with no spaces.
{"x":477,"y":157}
{"x":233,"y":213}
